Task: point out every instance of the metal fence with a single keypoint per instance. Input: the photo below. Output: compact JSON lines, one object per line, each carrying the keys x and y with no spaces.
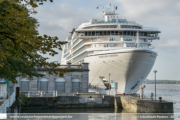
{"x":46,"y":93}
{"x":7,"y":103}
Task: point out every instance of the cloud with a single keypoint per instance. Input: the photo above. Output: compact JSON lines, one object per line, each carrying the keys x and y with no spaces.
{"x":171,"y":43}
{"x":58,"y":20}
{"x":161,"y":11}
{"x":136,"y":8}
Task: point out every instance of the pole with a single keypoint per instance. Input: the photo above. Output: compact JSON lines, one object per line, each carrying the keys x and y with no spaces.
{"x":155,"y":86}
{"x":109,"y":84}
{"x":155,"y":83}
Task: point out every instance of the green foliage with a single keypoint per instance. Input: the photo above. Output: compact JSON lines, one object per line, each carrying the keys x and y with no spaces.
{"x":23,"y":99}
{"x":20,"y":43}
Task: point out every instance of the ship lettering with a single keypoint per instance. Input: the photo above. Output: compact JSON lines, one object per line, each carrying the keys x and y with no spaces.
{"x":104,"y":56}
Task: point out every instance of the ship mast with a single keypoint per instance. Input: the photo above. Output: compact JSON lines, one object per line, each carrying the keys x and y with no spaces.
{"x":108,"y":13}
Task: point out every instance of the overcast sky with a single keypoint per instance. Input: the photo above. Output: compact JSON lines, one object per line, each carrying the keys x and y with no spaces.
{"x":61,"y":16}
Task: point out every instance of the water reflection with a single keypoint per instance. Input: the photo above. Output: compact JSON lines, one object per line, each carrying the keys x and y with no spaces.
{"x":97,"y":114}
{"x":93,"y":116}
{"x":90,"y":110}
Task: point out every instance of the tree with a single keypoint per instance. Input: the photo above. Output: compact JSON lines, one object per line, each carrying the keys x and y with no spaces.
{"x":20,"y":43}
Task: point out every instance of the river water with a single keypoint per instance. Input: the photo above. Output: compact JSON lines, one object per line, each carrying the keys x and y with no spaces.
{"x":168,"y":92}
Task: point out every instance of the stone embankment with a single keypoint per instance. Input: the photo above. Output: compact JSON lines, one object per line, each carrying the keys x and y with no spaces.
{"x":94,"y":100}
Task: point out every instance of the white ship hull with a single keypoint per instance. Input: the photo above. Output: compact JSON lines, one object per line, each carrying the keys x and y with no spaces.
{"x":112,"y":45}
{"x":128,"y":67}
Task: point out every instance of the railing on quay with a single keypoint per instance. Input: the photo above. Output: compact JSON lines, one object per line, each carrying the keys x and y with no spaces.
{"x":7,"y":103}
{"x":56,"y":93}
{"x":46,"y":93}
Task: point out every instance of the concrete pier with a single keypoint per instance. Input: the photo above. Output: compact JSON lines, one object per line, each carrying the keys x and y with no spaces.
{"x":69,"y":102}
{"x":137,"y":105}
{"x":95,"y":100}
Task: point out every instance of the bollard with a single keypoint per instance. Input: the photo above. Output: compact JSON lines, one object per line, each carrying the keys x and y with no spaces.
{"x":56,"y":93}
{"x":151,"y":96}
{"x":160,"y":99}
{"x":28,"y":93}
{"x":41,"y":93}
{"x":124,"y":94}
{"x":17,"y":92}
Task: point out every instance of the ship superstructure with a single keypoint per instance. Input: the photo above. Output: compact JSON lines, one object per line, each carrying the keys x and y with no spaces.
{"x":112,"y":45}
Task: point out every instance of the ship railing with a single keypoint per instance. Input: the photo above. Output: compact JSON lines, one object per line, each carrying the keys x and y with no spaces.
{"x":116,"y":22}
{"x":78,"y":52}
{"x":120,"y":45}
{"x":117,"y":36}
{"x":152,"y":47}
{"x":101,"y":27}
{"x":150,"y":28}
{"x":79,"y":58}
{"x":78,"y":46}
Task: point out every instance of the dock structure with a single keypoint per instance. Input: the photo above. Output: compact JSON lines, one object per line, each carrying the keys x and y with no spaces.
{"x":137,"y":105}
{"x":129,"y":104}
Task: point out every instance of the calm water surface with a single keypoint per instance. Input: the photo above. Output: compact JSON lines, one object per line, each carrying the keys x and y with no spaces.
{"x":168,"y":92}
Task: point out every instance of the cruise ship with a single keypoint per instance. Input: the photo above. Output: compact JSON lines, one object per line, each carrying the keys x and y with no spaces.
{"x":116,"y":49}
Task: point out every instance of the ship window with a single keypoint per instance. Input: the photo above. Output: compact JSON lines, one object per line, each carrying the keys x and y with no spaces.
{"x":100,"y":33}
{"x":128,"y":32}
{"x":145,"y":33}
{"x":140,"y":33}
{"x":97,"y":33}
{"x":124,"y":33}
{"x":108,"y":32}
{"x":93,"y":33}
{"x":131,"y":33}
{"x":156,"y":34}
{"x":88,"y":33}
{"x":116,"y":32}
{"x":112,"y":32}
{"x":85,"y":33}
{"x":120,"y":32}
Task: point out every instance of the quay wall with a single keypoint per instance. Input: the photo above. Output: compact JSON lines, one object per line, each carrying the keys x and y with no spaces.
{"x":136,"y":105}
{"x":127,"y":103}
{"x":69,"y":102}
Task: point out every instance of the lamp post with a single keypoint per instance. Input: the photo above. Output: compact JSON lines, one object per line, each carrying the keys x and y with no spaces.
{"x":109,"y":83}
{"x":155,"y":83}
